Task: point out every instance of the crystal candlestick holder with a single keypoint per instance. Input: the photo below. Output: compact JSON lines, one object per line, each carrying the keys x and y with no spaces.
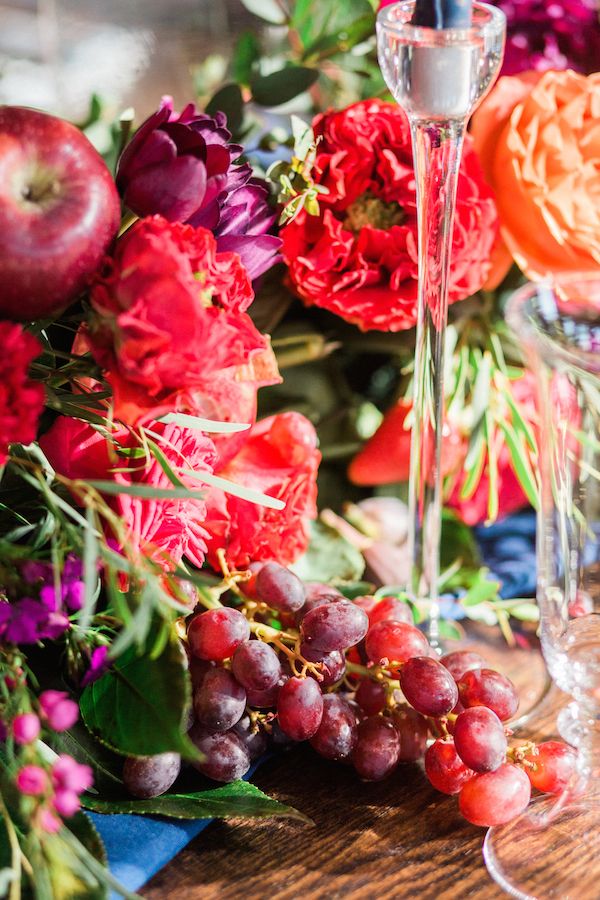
{"x":438,"y":76}
{"x":553,"y":849}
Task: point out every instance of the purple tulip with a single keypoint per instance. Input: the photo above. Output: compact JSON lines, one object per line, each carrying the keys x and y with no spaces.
{"x":183,"y":167}
{"x":551,"y":34}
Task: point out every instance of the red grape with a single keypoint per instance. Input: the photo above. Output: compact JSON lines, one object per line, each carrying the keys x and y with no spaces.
{"x":377,"y":748}
{"x":445,"y":769}
{"x":480,"y":740}
{"x":279,"y":588}
{"x":266,"y":699}
{"x":333,"y":664}
{"x":317,"y":594}
{"x":428,"y":686}
{"x":225,"y":756}
{"x":367,"y":603}
{"x":249,"y":587}
{"x":334,"y":626}
{"x":256,"y":665}
{"x":413,"y":730}
{"x":371,"y":696}
{"x":496,"y":797}
{"x":216,"y":633}
{"x":485,"y":687}
{"x":395,"y":641}
{"x":336,"y":736}
{"x":149,"y":776}
{"x":554,"y":766}
{"x":254,"y":740}
{"x":300,"y":708}
{"x":391,"y":609}
{"x":460,"y":661}
{"x":220,"y":700}
{"x":198,"y":669}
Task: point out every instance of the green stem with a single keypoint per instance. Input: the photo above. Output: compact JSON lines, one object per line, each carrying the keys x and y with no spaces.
{"x":15,"y":849}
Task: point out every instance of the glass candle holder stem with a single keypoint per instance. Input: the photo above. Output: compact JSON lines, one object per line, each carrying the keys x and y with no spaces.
{"x":437,"y":147}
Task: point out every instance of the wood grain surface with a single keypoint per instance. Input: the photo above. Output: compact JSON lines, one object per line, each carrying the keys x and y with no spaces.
{"x":394,"y":839}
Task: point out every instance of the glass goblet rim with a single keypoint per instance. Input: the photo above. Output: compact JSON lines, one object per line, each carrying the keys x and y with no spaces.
{"x":487,"y":20}
{"x":523,"y":316}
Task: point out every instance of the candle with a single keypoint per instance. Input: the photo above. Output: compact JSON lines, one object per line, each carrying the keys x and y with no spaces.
{"x":443,"y":13}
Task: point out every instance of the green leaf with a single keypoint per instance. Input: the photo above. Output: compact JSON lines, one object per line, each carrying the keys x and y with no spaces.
{"x":449,"y":630}
{"x":146,"y":492}
{"x":352,"y":589}
{"x":457,"y":542}
{"x":329,"y":557}
{"x":267,"y":10}
{"x":229,"y":100}
{"x":344,"y":40}
{"x":238,"y":800}
{"x":520,"y":463}
{"x":304,"y":137}
{"x":483,"y":589}
{"x":70,"y":877}
{"x":245,"y":56}
{"x":282,"y":86}
{"x":527,"y":612}
{"x":138,"y":707}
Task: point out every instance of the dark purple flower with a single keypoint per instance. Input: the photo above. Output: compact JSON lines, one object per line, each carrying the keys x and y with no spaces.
{"x":99,"y":664}
{"x":551,"y":34}
{"x":183,"y":167}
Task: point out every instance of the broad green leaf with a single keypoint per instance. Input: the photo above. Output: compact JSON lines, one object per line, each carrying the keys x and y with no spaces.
{"x":449,"y":630}
{"x":329,"y":557}
{"x":245,"y":55}
{"x":228,"y":100}
{"x":282,"y":86}
{"x":267,"y":10}
{"x":352,"y":589}
{"x":139,"y":706}
{"x":457,"y":542}
{"x":237,"y":800}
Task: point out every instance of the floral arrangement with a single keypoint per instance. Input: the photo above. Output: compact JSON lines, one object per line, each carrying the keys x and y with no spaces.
{"x":206,"y":418}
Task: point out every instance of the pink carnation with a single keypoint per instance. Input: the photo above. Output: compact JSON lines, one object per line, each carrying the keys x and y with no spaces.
{"x":166,"y":529}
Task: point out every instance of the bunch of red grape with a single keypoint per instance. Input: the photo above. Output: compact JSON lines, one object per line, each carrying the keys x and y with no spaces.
{"x":360,"y":682}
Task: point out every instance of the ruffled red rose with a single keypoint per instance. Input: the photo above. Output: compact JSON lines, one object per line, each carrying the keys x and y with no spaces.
{"x":21,"y":399}
{"x":171,"y":329}
{"x":280,"y":459}
{"x":358,"y":257}
{"x":166,"y":530}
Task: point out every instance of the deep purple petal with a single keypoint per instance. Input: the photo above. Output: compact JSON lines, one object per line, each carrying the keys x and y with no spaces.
{"x":133,"y":147}
{"x":173,"y":191}
{"x":258,"y":254}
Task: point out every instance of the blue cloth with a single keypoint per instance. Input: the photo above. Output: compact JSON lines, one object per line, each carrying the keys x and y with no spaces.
{"x":139,"y":846}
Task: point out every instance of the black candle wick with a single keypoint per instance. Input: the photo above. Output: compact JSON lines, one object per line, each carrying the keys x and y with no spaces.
{"x":443,"y":13}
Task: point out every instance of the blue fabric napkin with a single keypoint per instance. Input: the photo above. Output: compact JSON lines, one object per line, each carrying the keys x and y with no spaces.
{"x":139,"y":846}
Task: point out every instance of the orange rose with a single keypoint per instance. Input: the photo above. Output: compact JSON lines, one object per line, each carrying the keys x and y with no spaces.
{"x":538,"y":139}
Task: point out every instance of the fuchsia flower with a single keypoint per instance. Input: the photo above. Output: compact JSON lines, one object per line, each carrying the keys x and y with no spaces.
{"x":59,"y":711}
{"x":32,"y":781}
{"x":25,"y":728}
{"x":183,"y":167}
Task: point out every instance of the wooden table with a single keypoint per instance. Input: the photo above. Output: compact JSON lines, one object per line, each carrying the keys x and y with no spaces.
{"x":394,"y":839}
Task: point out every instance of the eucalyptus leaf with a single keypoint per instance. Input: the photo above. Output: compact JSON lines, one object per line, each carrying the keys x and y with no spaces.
{"x":520,"y":463}
{"x":237,"y":800}
{"x":139,"y":706}
{"x":282,"y":86}
{"x":484,"y":589}
{"x":329,"y":557}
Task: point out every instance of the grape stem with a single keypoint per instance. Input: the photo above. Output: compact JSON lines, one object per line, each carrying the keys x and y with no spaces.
{"x":300,"y":666}
{"x":375,"y":673}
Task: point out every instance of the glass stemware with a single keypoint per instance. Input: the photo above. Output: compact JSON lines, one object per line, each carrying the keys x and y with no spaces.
{"x":553,"y":849}
{"x":438,"y":76}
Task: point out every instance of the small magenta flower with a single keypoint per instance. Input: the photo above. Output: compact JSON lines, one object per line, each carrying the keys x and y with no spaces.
{"x":99,"y":664}
{"x":66,"y":802}
{"x":32,"y":780}
{"x":25,"y":728}
{"x":47,"y":821}
{"x":67,"y":774}
{"x":60,"y":712}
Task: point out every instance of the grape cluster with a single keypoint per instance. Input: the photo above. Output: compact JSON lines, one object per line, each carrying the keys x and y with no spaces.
{"x":357,"y":679}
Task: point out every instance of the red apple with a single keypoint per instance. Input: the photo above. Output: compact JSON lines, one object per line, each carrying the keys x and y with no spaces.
{"x":59,"y":212}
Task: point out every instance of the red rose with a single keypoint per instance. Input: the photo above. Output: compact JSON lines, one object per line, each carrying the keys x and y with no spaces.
{"x":279,"y":458}
{"x":358,"y":257}
{"x":171,"y":329}
{"x":21,"y":399}
{"x":166,"y":530}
